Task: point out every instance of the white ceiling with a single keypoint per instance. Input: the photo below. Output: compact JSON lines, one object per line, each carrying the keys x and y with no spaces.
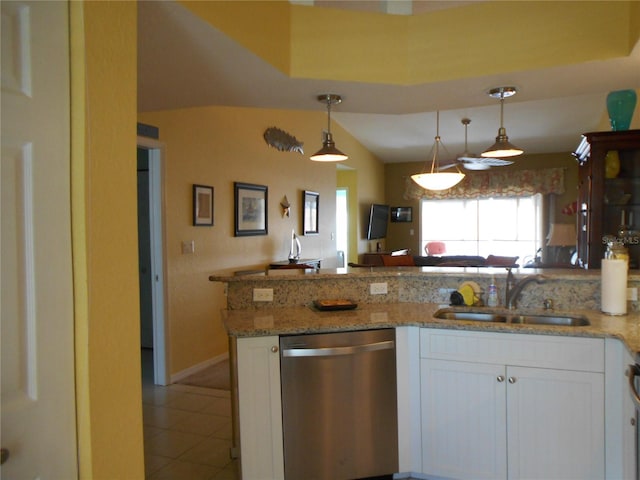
{"x":184,"y":62}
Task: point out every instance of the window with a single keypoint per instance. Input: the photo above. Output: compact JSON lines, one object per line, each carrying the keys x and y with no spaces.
{"x":506,"y":226}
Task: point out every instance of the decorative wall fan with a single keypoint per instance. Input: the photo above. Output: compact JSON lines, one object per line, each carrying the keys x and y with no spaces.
{"x":471,"y":161}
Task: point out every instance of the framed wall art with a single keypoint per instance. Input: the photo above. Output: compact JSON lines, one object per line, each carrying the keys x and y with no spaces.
{"x":202,"y":205}
{"x":250,"y":209}
{"x":401,"y":214}
{"x":310,"y":213}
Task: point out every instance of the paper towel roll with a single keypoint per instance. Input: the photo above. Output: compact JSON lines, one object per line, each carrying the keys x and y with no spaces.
{"x":614,"y":286}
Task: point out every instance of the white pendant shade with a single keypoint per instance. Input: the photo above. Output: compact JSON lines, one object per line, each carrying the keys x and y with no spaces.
{"x":437,"y":180}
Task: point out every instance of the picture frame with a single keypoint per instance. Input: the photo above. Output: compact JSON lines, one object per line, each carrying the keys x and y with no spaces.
{"x":251,"y":204}
{"x":310,"y":213}
{"x":202,"y":205}
{"x":402,"y":214}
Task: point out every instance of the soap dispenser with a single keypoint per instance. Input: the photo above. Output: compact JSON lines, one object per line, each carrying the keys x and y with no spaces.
{"x":492,"y":297}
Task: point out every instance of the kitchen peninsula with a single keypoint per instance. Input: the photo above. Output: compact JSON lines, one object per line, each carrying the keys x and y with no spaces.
{"x":545,"y":361}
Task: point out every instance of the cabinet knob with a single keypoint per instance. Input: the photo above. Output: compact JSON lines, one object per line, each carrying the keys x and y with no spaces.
{"x":274,"y":349}
{"x":513,"y":379}
{"x":632,"y":421}
{"x":500,"y":378}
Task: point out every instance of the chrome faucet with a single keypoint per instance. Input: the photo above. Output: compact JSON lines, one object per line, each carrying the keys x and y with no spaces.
{"x":515,"y":287}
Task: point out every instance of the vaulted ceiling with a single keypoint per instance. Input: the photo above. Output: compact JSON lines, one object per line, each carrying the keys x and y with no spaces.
{"x":186,"y":61}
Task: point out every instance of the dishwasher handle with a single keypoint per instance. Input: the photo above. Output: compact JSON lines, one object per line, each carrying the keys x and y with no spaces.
{"x":634,"y":371}
{"x":334,"y":351}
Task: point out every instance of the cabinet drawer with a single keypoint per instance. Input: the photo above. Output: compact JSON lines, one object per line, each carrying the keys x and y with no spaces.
{"x":544,"y":351}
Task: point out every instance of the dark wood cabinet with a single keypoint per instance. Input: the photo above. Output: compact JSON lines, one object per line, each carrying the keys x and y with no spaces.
{"x":608,"y":195}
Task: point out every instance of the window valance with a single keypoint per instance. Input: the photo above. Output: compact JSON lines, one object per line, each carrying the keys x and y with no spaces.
{"x":495,"y":183}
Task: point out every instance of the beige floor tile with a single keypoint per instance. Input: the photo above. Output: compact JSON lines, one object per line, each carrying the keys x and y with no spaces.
{"x":225,"y":431}
{"x":211,"y":451}
{"x":200,"y":424}
{"x":158,"y":395}
{"x":153,"y":463}
{"x":151,"y":431}
{"x":162,"y":417}
{"x":218,"y":406}
{"x":190,"y":402}
{"x":171,"y":443}
{"x":230,"y":472}
{"x":180,"y":470}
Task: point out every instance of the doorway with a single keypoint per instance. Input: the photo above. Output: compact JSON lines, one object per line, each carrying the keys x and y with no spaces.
{"x":151,"y":260}
{"x":342,"y":226}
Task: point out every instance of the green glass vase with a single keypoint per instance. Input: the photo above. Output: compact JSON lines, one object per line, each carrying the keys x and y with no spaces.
{"x":620,"y":106}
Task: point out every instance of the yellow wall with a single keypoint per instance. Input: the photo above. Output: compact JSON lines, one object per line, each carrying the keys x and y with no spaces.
{"x":105,"y":250}
{"x":218,"y":146}
{"x":335,"y":44}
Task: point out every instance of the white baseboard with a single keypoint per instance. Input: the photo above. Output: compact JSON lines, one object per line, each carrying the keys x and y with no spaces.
{"x":176,"y":377}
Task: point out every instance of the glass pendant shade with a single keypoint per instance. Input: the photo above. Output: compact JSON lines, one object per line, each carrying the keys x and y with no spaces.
{"x":328,"y":152}
{"x":437,"y":180}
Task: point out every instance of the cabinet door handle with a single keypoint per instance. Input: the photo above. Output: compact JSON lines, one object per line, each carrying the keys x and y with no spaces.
{"x":513,"y":379}
{"x":632,"y":373}
{"x":500,"y":378}
{"x":274,"y":349}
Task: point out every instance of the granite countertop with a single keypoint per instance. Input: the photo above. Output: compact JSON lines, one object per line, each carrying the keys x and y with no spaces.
{"x":307,"y":319}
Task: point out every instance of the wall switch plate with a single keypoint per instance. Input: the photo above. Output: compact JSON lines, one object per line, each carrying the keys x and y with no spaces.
{"x":378,"y":288}
{"x":188,"y":246}
{"x":632,"y":294}
{"x":263,"y":294}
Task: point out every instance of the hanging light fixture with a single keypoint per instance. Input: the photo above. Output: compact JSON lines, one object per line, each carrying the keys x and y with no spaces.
{"x":435,"y":179}
{"x":502,"y":148}
{"x":328,"y":152}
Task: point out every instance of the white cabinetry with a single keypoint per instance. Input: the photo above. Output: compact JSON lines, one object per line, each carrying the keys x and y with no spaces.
{"x":260,"y":408}
{"x":498,"y":405}
{"x":620,"y":413}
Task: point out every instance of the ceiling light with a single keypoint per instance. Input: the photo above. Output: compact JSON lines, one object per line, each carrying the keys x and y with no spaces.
{"x":328,"y":152}
{"x":435,"y":179}
{"x":502,"y":148}
{"x":471,"y":161}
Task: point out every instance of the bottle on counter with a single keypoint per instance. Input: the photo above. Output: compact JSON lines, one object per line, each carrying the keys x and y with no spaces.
{"x":492,"y":295}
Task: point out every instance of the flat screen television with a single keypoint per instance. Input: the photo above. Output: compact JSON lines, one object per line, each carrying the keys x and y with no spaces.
{"x":378,"y":221}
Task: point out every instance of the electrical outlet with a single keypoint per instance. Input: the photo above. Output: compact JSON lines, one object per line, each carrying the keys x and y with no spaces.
{"x":263,"y":294}
{"x":632,"y":294}
{"x":378,"y":288}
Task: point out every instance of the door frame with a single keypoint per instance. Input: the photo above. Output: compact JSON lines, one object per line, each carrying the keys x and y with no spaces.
{"x":158,"y":275}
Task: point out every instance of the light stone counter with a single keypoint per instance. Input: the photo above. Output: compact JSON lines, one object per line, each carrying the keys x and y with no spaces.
{"x":414,"y":294}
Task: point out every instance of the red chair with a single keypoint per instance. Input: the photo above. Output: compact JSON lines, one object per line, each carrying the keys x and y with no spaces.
{"x":435,"y":248}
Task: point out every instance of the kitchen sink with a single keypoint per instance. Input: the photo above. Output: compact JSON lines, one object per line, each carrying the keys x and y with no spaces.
{"x":475,"y":316}
{"x":478,"y":316}
{"x":563,"y":321}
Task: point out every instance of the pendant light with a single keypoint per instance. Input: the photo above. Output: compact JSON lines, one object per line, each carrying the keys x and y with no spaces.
{"x":328,"y":152}
{"x":502,"y":148}
{"x":435,"y":179}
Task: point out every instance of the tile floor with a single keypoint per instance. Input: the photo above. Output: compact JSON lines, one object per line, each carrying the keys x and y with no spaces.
{"x":187,"y":431}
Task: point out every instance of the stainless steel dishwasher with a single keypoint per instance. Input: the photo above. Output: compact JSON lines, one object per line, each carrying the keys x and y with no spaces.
{"x":339,"y":410}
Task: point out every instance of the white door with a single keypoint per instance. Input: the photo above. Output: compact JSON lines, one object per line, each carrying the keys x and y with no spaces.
{"x":38,"y":405}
